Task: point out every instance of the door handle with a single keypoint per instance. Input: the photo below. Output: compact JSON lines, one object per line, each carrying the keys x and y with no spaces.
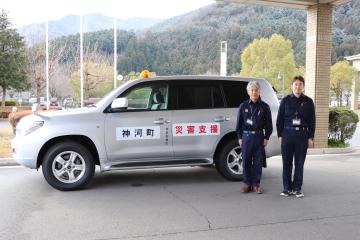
{"x":159,"y":121}
{"x":220,"y":119}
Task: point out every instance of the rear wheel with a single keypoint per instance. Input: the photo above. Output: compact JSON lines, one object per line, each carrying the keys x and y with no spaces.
{"x":229,"y":161}
{"x":68,"y":166}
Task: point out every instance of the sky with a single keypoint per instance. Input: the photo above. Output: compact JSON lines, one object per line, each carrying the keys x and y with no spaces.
{"x":24,"y":12}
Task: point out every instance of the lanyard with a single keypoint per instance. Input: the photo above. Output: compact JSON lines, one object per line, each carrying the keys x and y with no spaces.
{"x":251,"y":110}
{"x":298,"y":104}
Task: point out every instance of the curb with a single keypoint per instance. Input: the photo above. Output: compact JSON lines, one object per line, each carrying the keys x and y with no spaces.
{"x":319,"y":151}
{"x":8,"y":162}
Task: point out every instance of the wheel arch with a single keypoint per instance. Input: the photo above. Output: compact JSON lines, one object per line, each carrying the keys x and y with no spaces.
{"x":227,"y":137}
{"x":84,"y":140}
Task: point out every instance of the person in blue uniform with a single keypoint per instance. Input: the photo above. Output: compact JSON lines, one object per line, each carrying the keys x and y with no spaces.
{"x":295,"y":127}
{"x":253,"y":129}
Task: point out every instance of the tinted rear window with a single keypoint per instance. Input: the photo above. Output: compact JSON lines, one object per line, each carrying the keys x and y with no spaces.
{"x":199,"y":95}
{"x":235,"y":93}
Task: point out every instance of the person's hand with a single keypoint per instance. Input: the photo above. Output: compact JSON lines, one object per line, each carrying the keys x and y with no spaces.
{"x":266,"y":141}
{"x":240,"y":142}
{"x":310,"y":143}
{"x":280,"y":139}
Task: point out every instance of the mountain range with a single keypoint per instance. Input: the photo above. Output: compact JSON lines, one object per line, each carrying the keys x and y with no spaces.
{"x":70,"y":24}
{"x":189,"y":44}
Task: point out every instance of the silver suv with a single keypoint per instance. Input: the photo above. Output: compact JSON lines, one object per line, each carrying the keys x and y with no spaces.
{"x":145,"y":123}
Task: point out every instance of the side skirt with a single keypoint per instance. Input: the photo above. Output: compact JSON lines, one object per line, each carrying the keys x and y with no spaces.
{"x":158,"y":164}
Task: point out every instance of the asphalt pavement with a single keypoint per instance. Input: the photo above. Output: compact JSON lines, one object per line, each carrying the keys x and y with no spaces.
{"x":184,"y":203}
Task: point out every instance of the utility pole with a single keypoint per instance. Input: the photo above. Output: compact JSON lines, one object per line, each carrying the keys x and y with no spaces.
{"x":281,"y":77}
{"x":81,"y":64}
{"x":283,"y":85}
{"x":47,"y":64}
{"x":115,"y":52}
{"x":223,"y":58}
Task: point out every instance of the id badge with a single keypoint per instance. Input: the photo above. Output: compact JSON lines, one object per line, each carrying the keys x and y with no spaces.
{"x":249,"y":121}
{"x":296,"y":122}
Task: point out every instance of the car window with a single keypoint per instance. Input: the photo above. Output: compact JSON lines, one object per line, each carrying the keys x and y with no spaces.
{"x":199,"y":95}
{"x":235,"y":93}
{"x":148,"y":97}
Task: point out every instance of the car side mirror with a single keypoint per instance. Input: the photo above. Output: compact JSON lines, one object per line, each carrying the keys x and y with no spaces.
{"x":119,"y":104}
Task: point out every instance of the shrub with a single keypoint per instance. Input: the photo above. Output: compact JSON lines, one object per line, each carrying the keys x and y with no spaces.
{"x":337,"y":144}
{"x":342,"y":124}
{"x":15,"y":117}
{"x":4,"y":112}
{"x":11,"y":103}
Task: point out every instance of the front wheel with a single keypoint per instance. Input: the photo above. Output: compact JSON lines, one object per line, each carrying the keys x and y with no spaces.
{"x":68,"y":166}
{"x":229,"y":161}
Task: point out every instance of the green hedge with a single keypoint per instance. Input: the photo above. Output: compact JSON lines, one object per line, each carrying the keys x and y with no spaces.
{"x":10,"y":103}
{"x":342,"y":124}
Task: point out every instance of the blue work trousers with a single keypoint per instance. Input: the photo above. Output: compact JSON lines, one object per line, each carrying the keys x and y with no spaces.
{"x":294,"y":147}
{"x":252,"y":154}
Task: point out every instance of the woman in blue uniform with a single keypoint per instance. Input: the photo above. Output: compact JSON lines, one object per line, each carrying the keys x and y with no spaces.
{"x":295,"y":127}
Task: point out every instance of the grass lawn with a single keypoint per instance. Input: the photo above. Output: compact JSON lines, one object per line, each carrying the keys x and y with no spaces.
{"x":6,"y":135}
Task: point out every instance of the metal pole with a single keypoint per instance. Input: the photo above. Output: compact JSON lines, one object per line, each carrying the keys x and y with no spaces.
{"x":47,"y":64}
{"x":81,"y":64}
{"x":223,"y":58}
{"x":115,"y":52}
{"x":283,"y":85}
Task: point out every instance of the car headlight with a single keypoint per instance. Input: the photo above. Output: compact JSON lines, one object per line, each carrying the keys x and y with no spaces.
{"x":29,"y":128}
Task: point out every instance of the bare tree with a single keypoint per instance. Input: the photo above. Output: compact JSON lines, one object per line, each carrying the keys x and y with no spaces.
{"x":60,"y":82}
{"x":94,"y":76}
{"x":95,"y":70}
{"x":37,"y":63}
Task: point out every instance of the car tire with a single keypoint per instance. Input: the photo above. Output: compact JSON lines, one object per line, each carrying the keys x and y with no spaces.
{"x":228,"y":162}
{"x":68,"y":166}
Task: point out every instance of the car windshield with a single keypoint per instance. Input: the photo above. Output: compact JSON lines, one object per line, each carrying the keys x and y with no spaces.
{"x":109,"y":94}
{"x":104,"y":99}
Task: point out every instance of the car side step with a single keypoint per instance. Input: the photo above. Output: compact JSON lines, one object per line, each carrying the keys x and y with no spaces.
{"x":156,"y":164}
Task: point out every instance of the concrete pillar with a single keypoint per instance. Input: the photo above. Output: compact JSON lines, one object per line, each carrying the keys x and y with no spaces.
{"x":318,"y":63}
{"x":354,"y":94}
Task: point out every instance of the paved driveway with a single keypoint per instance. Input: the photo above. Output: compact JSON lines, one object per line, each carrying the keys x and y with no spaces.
{"x":184,"y":203}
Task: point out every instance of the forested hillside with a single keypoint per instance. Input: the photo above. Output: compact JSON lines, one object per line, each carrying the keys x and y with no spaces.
{"x":190,"y":44}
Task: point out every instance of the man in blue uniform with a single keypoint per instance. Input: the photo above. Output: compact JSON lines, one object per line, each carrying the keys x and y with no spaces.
{"x":296,"y":127}
{"x":253,"y":129}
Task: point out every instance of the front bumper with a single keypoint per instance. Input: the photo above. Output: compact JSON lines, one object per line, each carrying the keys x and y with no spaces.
{"x":26,"y":149}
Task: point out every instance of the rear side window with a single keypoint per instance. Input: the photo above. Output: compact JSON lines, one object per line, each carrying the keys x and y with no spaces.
{"x":199,"y":95}
{"x":235,"y":93}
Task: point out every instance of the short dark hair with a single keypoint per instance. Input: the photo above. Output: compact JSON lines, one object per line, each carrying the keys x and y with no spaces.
{"x":298,"y":78}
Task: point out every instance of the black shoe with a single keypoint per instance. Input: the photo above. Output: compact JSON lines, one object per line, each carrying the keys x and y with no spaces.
{"x":299,"y":194}
{"x":285,"y":193}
